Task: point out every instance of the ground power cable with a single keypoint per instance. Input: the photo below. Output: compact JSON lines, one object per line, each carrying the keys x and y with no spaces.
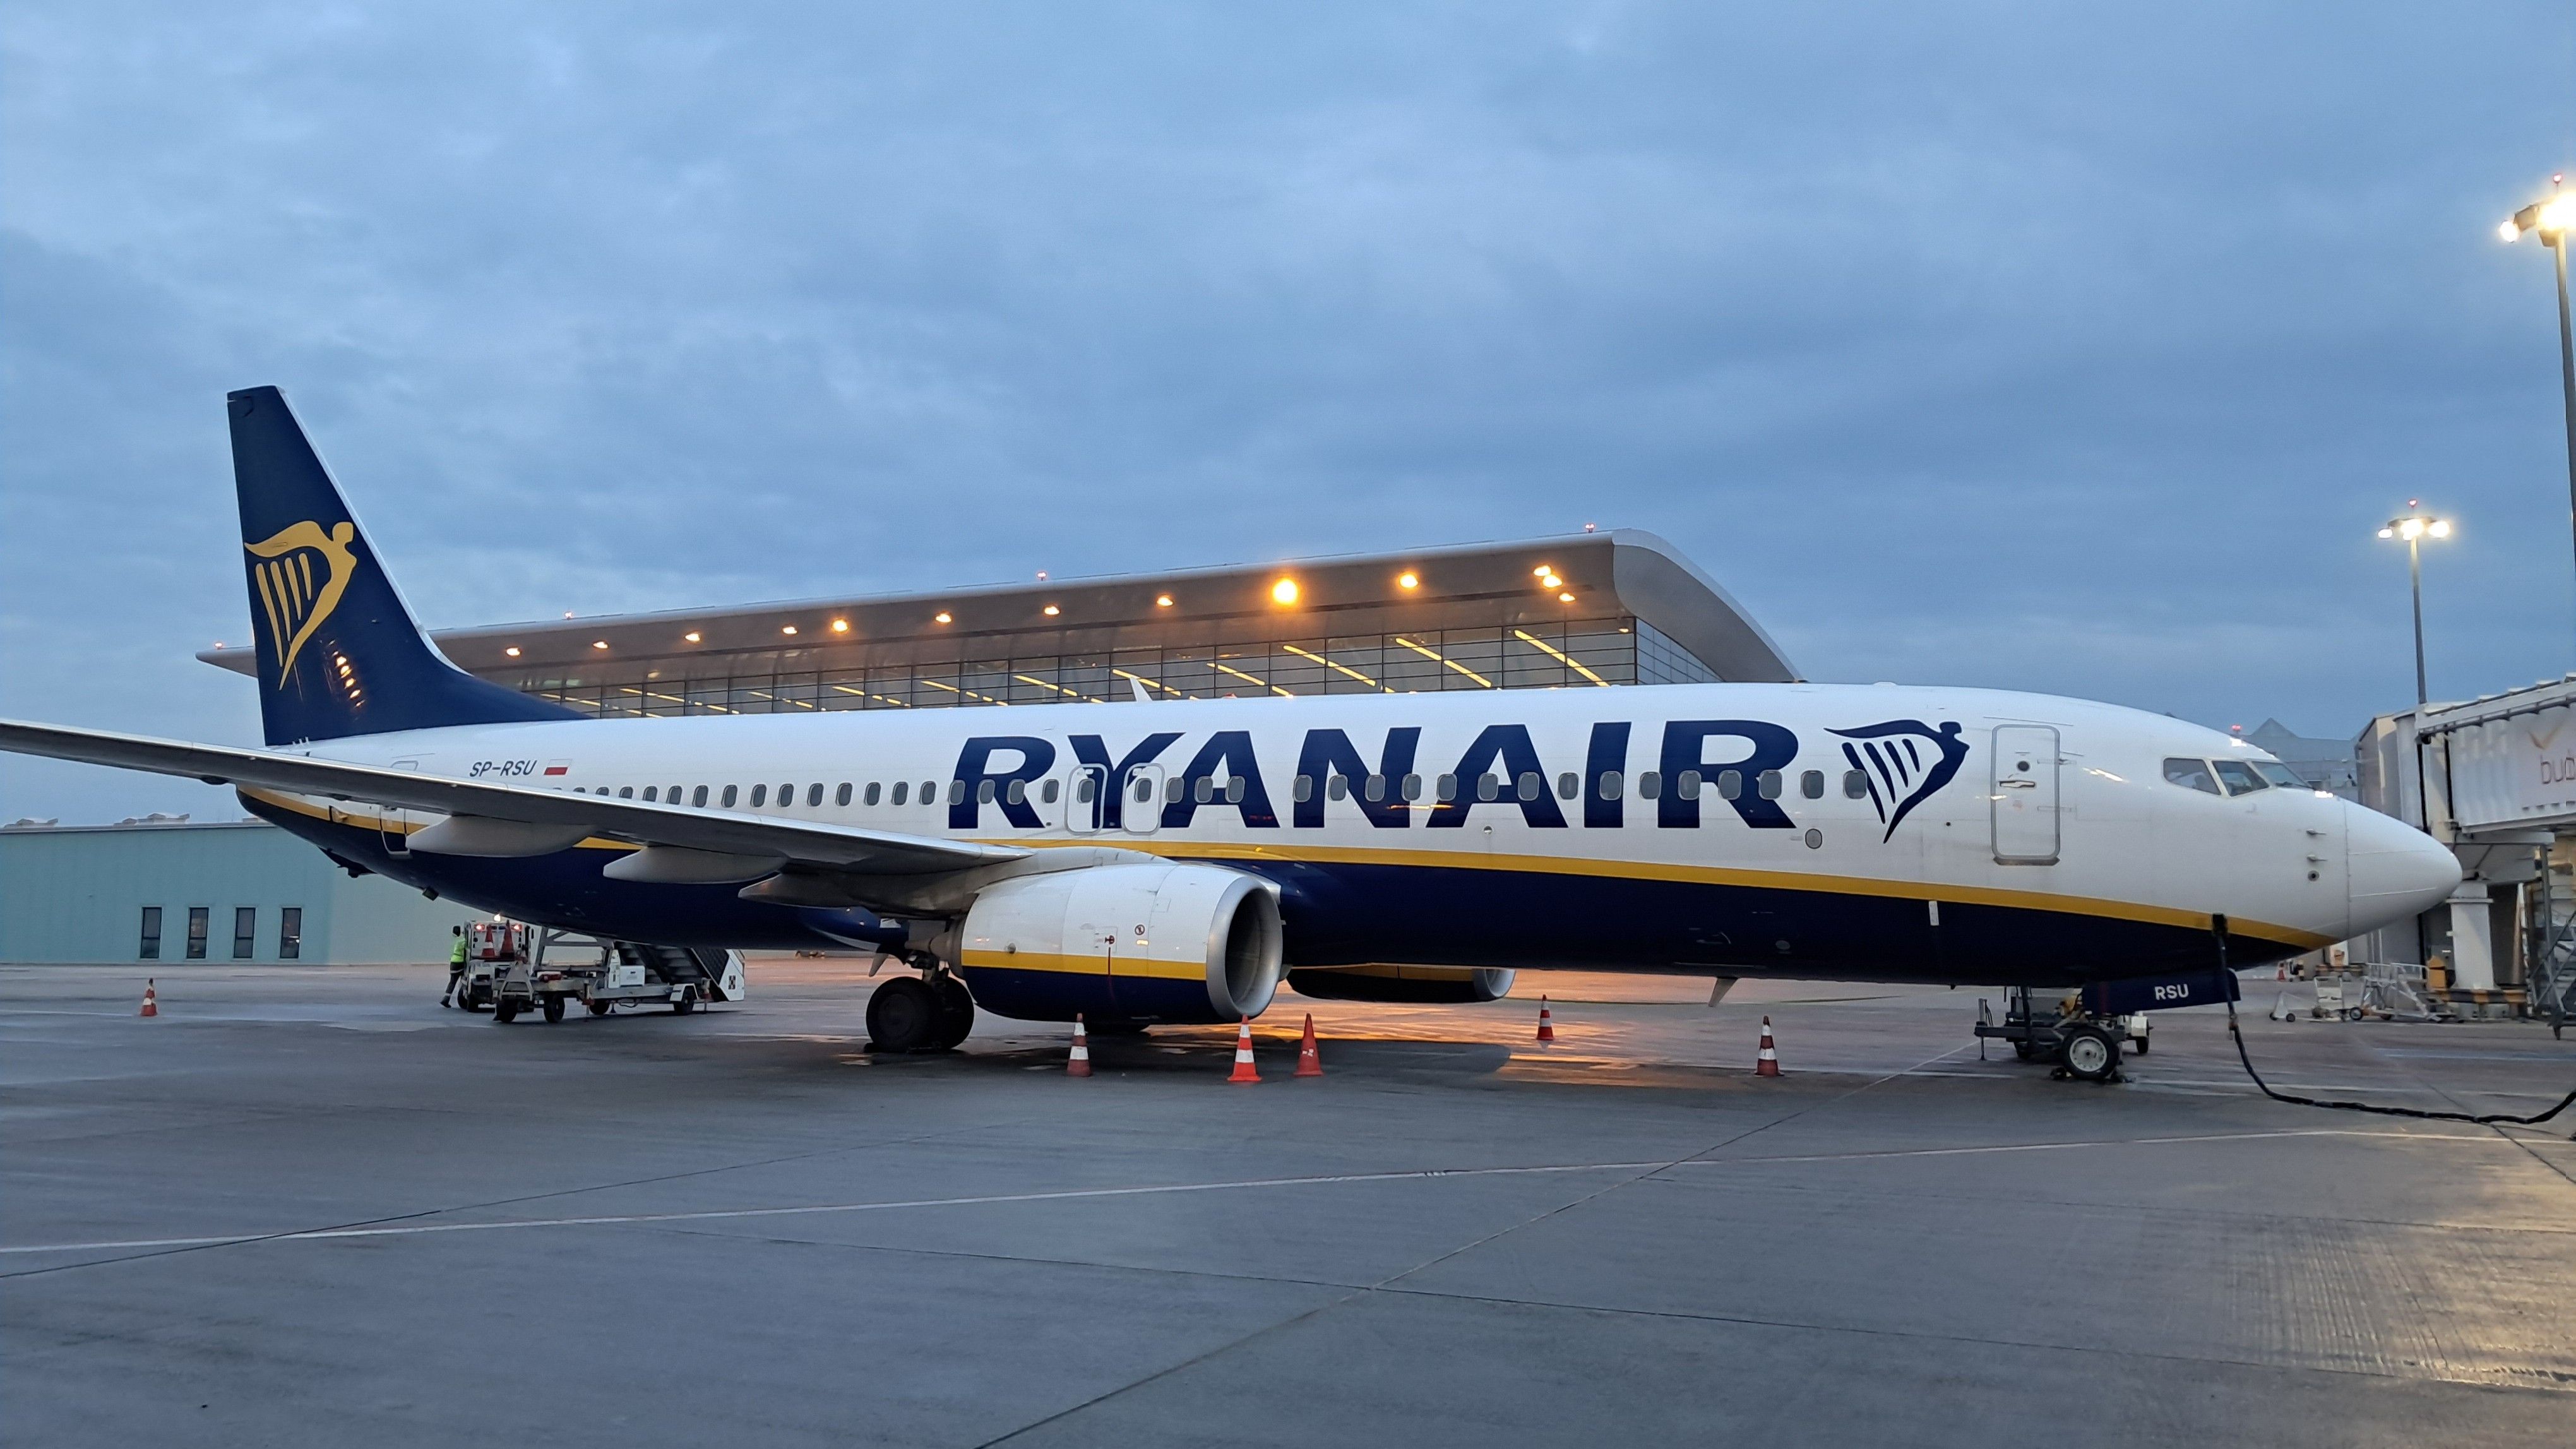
{"x":2218,"y":927}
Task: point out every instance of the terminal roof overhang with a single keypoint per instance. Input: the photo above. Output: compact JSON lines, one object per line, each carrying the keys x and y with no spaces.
{"x":1484,"y":585}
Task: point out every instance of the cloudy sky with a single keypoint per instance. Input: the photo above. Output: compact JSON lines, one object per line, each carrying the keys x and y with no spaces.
{"x":2031,"y":346}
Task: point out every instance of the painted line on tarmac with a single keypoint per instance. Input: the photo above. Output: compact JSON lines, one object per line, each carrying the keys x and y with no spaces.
{"x":408,"y":1230}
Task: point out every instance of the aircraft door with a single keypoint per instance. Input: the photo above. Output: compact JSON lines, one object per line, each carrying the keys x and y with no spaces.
{"x":1142,"y":810}
{"x":2025,"y":795}
{"x":1083,"y":802}
{"x":393,"y":824}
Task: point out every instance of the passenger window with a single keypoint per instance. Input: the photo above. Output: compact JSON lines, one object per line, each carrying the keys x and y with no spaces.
{"x":1373,"y":788}
{"x":1446,"y":788}
{"x":929,"y":792}
{"x":1686,"y":784}
{"x":874,"y":793}
{"x":2279,"y":774}
{"x":729,"y":796}
{"x":1203,"y":789}
{"x":698,"y":796}
{"x":625,"y":792}
{"x":1412,"y":787}
{"x":1650,"y":784}
{"x":2191,"y":775}
{"x":1234,"y":791}
{"x":814,"y":794}
{"x":1144,"y":791}
{"x":648,"y":792}
{"x":1302,"y":789}
{"x":1812,"y":784}
{"x":1531,"y":785}
{"x":1487,"y":787}
{"x":759,"y":796}
{"x":1084,"y":785}
{"x":1767,"y":784}
{"x":1338,"y":787}
{"x":672,"y":794}
{"x":901,"y":789}
{"x":1174,"y":788}
{"x":957,"y":791}
{"x":1568,"y":785}
{"x":1610,"y":780}
{"x":1017,"y":794}
{"x":2239,"y":777}
{"x":1049,"y":793}
{"x":1855,"y":784}
{"x":841,"y":797}
{"x":1730,"y":784}
{"x":984,"y":792}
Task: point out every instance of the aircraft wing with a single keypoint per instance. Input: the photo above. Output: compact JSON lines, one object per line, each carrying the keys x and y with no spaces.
{"x":806,"y":842}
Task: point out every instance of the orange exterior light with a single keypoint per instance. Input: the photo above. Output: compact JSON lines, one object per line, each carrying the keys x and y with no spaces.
{"x":1408,"y":580}
{"x":840,"y":626}
{"x":1284,"y":592}
{"x":598,"y":643}
{"x":512,"y":651}
{"x":942,"y":617}
{"x":1051,"y":611}
{"x":693,"y":636}
{"x":1162,"y":601}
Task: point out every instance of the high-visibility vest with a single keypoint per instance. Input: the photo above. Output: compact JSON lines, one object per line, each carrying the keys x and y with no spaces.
{"x":456,"y":953}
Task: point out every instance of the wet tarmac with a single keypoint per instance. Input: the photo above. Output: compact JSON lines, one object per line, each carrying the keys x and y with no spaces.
{"x":307,"y":1206}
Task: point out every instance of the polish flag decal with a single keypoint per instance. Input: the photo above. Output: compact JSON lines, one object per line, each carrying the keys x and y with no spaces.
{"x":558,"y":767}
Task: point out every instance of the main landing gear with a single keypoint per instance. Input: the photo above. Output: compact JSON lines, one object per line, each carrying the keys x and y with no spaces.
{"x":931,"y":1012}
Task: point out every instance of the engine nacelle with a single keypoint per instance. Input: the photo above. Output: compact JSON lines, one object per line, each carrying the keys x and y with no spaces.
{"x":1124,"y":943}
{"x":1446,"y":984}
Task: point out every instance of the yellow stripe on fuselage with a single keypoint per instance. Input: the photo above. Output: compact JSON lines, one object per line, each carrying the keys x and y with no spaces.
{"x":1780,"y":880}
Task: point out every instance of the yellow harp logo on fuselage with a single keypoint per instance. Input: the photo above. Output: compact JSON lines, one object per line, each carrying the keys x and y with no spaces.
{"x":296,"y":594}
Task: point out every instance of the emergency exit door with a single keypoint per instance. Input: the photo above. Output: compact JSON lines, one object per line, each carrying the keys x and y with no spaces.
{"x":2025,"y":795}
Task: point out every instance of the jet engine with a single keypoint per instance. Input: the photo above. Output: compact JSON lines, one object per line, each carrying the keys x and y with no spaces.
{"x":1144,"y":942}
{"x":1443,"y":984}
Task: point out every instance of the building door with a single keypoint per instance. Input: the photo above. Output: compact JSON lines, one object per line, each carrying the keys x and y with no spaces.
{"x":2025,"y":795}
{"x":1142,"y":810}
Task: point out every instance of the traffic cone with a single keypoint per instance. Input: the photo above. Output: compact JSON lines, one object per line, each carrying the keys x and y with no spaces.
{"x":1244,"y":1070}
{"x":1309,"y":1064}
{"x":1766,"y":1063}
{"x":1079,"y":1064}
{"x":151,"y":1000}
{"x":1546,"y":1023}
{"x":2281,"y":972}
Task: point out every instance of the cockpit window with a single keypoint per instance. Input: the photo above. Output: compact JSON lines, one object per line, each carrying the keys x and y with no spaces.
{"x":2240,"y":777}
{"x":2279,"y":774}
{"x":2190,"y":774}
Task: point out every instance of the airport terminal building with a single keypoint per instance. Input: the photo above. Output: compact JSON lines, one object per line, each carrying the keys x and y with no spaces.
{"x":1583,"y":611}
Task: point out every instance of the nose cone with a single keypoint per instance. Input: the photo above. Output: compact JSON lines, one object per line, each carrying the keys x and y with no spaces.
{"x":2396,"y":871}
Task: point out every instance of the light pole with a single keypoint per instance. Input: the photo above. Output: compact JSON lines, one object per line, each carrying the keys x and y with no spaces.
{"x":2415,"y":527}
{"x":2552,"y":220}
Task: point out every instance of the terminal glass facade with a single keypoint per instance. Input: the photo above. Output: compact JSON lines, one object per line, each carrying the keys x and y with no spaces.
{"x":1571,"y":654}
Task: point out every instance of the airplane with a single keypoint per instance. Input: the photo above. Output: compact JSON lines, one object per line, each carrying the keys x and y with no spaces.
{"x":1169,"y":861}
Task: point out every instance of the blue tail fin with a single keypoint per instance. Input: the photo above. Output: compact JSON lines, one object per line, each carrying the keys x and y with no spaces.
{"x":338,"y":653}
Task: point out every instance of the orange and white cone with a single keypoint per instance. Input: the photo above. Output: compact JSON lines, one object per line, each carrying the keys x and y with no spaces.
{"x":1244,"y":1070}
{"x":1546,"y":1022}
{"x":1766,"y":1063}
{"x":151,"y":999}
{"x":1079,"y":1064}
{"x":1308,"y":1063}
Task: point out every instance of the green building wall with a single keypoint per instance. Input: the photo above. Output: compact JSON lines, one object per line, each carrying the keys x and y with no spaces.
{"x":77,"y":893}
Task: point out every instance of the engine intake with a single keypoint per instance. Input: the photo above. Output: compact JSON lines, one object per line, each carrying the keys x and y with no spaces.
{"x":1142,"y":942}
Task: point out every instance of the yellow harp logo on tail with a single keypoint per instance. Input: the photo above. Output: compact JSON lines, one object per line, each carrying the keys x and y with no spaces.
{"x":300,"y":573}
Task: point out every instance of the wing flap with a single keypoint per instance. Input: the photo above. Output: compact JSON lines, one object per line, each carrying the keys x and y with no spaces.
{"x":723,"y":832}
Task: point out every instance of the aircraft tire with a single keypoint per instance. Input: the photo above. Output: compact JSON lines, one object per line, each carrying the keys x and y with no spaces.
{"x":956,"y":1012}
{"x":2091,"y":1054}
{"x":904,"y":1016}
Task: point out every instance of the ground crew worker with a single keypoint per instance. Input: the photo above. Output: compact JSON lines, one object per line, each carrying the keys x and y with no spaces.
{"x":455,"y":966}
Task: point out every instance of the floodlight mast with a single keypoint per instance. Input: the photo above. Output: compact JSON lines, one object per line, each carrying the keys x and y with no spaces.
{"x":2552,"y":220}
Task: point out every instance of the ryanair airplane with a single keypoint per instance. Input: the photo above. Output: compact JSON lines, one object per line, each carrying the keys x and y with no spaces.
{"x":1168,"y":862}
